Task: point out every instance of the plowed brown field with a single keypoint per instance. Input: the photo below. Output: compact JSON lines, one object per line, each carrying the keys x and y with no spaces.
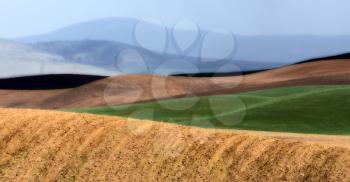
{"x":48,"y":146}
{"x":138,"y":88}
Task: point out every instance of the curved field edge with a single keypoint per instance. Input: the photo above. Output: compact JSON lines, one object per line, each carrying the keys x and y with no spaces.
{"x":50,"y":145}
{"x":308,"y":109}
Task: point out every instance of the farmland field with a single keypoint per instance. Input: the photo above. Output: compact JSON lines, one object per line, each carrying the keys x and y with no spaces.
{"x":42,"y":145}
{"x":309,"y":109}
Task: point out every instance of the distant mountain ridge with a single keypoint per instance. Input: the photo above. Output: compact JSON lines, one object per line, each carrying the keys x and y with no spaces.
{"x":251,"y":54}
{"x":98,"y":43}
{"x":112,"y":29}
{"x":268,"y":48}
{"x":105,"y":54}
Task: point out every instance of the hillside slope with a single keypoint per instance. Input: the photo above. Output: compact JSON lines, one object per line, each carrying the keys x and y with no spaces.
{"x":138,"y":88}
{"x":47,"y":145}
{"x":308,"y":109}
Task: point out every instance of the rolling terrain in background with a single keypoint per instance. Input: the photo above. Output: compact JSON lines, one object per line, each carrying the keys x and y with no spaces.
{"x":100,"y":42}
{"x":139,"y":88}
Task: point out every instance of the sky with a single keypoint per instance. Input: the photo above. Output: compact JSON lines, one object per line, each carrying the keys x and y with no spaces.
{"x":249,"y":17}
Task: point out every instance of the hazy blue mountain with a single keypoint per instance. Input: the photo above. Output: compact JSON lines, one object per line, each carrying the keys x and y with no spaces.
{"x":281,"y":49}
{"x":112,"y":29}
{"x":106,"y":54}
{"x":253,"y":53}
{"x":100,"y":43}
{"x":97,"y":53}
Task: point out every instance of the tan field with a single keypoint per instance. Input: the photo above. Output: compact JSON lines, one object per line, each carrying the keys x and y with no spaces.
{"x":138,"y":88}
{"x":55,"y":146}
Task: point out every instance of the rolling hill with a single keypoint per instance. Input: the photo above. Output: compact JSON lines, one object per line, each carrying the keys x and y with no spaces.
{"x":48,"y":145}
{"x":138,"y":88}
{"x":309,"y":109}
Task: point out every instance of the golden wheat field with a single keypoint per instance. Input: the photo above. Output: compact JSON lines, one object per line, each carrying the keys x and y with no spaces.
{"x":55,"y":146}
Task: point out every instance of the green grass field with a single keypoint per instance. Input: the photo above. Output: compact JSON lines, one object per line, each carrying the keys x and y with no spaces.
{"x":311,"y":109}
